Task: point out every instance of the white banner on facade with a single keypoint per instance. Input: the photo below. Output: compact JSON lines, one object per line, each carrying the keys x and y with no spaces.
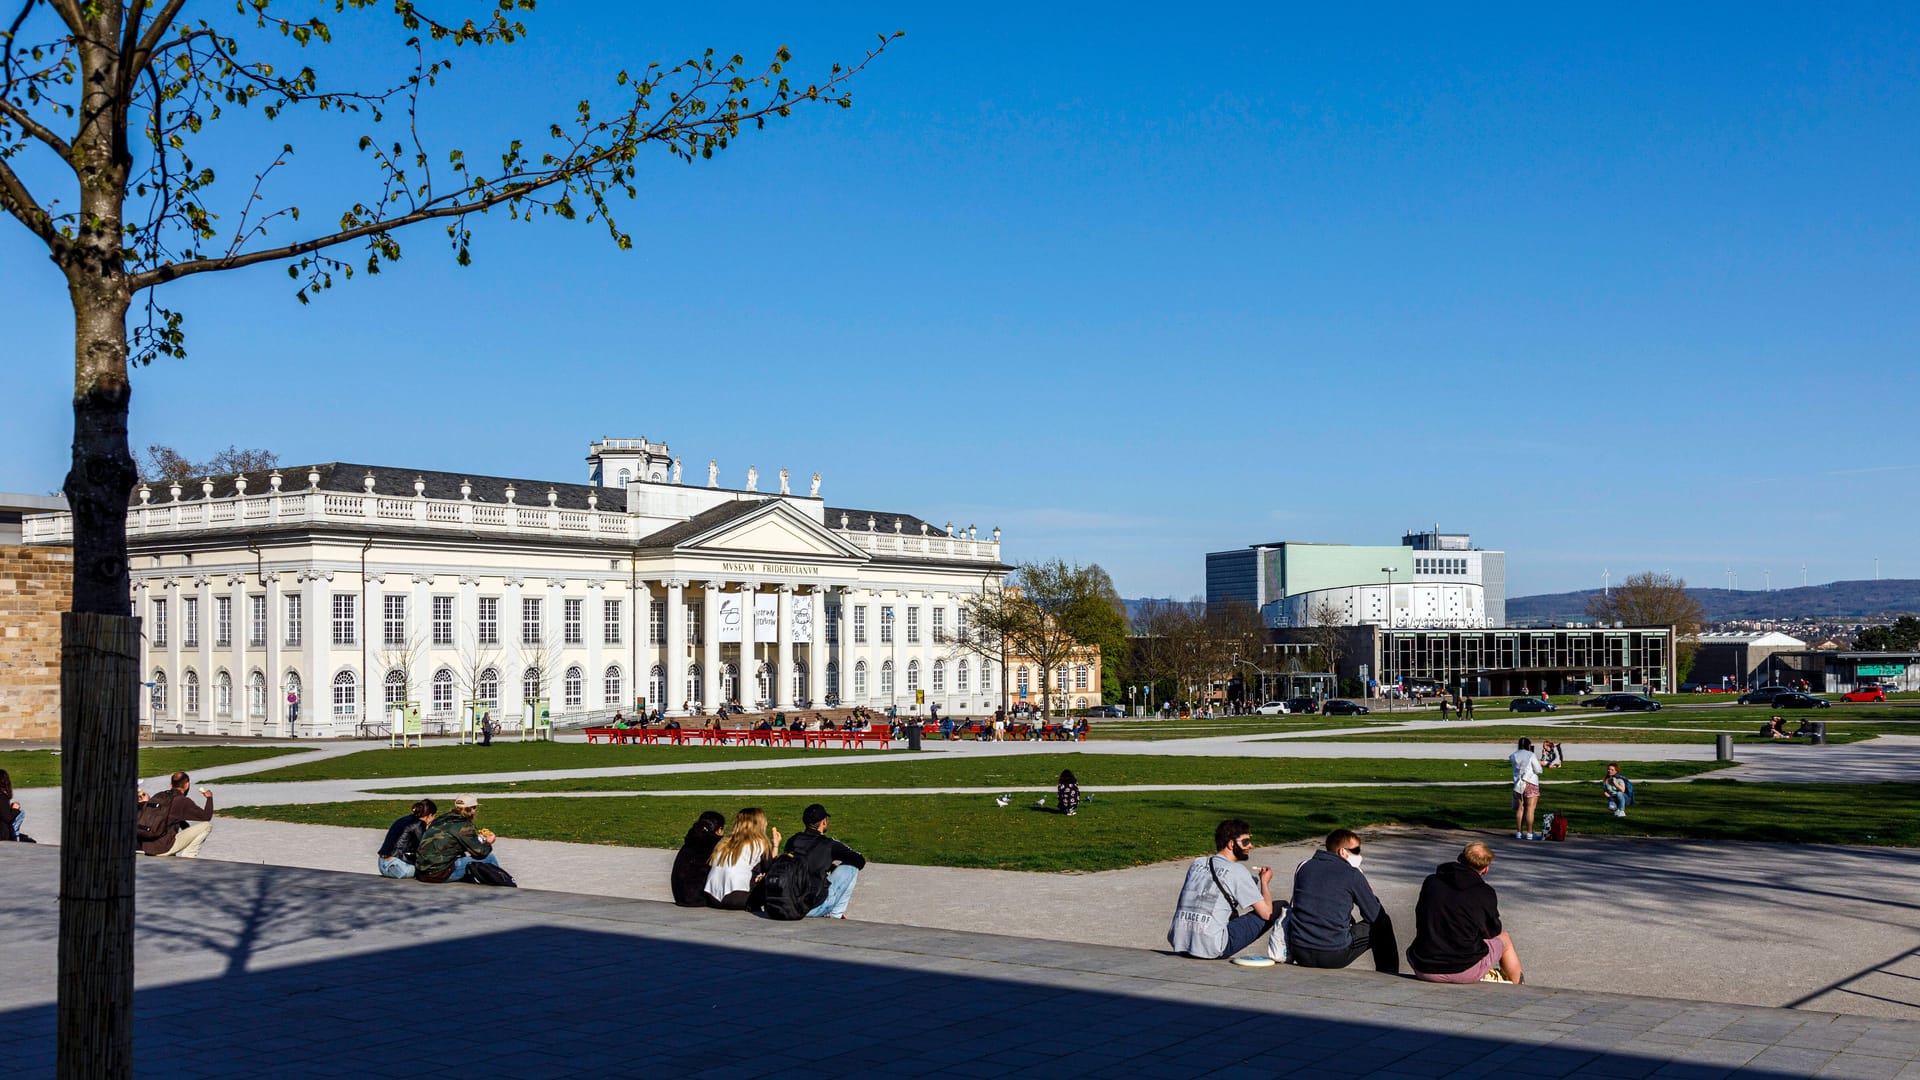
{"x":729,"y":617}
{"x":802,"y":621}
{"x":766,"y":617}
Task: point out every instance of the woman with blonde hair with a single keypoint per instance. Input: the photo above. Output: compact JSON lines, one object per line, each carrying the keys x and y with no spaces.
{"x":740,"y":860}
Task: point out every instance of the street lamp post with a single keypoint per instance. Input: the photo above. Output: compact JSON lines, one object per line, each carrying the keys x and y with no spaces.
{"x":1387,"y":667}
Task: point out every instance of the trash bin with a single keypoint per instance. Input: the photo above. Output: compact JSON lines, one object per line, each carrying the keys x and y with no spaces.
{"x":913,"y":736}
{"x":1818,"y":736}
{"x":1723,"y":748}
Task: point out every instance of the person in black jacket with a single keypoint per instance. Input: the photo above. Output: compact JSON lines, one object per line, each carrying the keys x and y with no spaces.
{"x":821,"y":851}
{"x":690,"y":865}
{"x":402,"y":845}
{"x":1326,"y":890}
{"x":1457,"y":933}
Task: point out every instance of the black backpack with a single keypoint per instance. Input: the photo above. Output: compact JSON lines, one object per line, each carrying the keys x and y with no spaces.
{"x":791,"y":888}
{"x":151,"y":824}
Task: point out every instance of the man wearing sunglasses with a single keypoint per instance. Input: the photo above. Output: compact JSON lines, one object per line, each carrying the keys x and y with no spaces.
{"x":1321,"y":931}
{"x":1223,"y":908}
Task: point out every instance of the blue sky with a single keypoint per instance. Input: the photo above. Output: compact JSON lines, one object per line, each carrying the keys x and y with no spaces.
{"x":1627,"y":287}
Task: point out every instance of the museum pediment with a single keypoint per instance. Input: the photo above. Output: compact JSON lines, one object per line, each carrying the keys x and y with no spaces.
{"x":772,"y":530}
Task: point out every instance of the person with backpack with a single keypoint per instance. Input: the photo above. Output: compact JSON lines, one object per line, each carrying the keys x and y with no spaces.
{"x":1225,"y":907}
{"x":814,"y":877}
{"x":399,"y":851}
{"x":171,"y":824}
{"x":1618,"y":789}
{"x":452,"y":846}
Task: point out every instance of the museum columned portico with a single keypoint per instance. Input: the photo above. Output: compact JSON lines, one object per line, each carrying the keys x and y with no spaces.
{"x":311,"y":601}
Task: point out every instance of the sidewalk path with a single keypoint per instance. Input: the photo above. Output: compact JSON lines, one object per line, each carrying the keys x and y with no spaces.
{"x":245,"y":971}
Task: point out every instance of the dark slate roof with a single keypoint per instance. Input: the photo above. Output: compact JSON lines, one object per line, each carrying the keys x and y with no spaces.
{"x":701,"y":522}
{"x":397,"y":483}
{"x":882,"y":521}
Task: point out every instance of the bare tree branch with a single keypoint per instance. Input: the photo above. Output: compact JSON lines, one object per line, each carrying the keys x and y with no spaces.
{"x":19,"y":202}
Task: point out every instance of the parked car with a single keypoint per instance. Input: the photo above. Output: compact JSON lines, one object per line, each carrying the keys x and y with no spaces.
{"x":1865,"y":693}
{"x":1302,"y":705}
{"x":1272,"y":708}
{"x":1794,"y":699}
{"x":1530,"y":704}
{"x":1343,"y":707}
{"x":1111,"y":712}
{"x":1764,"y":695}
{"x":1621,"y":703}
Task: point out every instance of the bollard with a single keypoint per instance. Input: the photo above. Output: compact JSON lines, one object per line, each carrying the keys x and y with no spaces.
{"x":913,"y":736}
{"x":1818,"y":736}
{"x":1723,"y":748}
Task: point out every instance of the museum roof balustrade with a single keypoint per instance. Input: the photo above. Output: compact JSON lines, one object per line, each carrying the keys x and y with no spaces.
{"x":361,"y":497}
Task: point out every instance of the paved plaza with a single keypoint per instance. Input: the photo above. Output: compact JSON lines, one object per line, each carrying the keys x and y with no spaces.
{"x":258,"y":971}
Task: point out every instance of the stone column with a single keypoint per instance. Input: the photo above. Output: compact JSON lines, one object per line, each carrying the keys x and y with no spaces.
{"x":673,"y":655}
{"x":783,"y":633}
{"x":710,"y":642}
{"x":817,"y":647}
{"x":746,"y":686}
{"x":848,"y":599}
{"x":316,"y":674}
{"x":592,"y":607}
{"x":276,"y":633}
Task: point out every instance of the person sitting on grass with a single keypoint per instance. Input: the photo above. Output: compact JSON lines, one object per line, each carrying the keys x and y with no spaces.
{"x":1069,"y":792}
{"x":1552,"y":756}
{"x":739,"y":861}
{"x":1618,"y":789}
{"x":1326,"y":890}
{"x":1457,"y":935}
{"x":400,"y":851}
{"x":690,"y":863}
{"x":452,"y":844}
{"x":1223,"y":907}
{"x":1776,"y":728}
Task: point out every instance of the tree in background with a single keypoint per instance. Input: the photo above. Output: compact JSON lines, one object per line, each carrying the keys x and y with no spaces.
{"x":1100,"y":619}
{"x":1903,"y":635}
{"x":993,"y":618}
{"x":1064,"y":608}
{"x":1650,"y":599}
{"x":1327,"y":634}
{"x":163,"y":464}
{"x":104,"y":106}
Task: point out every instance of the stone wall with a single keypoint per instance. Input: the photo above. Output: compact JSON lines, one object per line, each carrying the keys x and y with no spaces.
{"x":36,"y":585}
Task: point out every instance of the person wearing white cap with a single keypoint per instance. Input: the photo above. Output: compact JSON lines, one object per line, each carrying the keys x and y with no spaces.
{"x":452,"y":844}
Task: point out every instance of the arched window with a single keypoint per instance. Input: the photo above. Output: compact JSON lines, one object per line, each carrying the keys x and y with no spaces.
{"x":694,"y":680}
{"x":573,"y":687}
{"x":256,"y":694}
{"x":293,"y":693}
{"x":657,"y":687}
{"x":986,"y":677}
{"x":886,"y":678}
{"x":613,"y":688}
{"x":800,"y":687}
{"x":158,"y":693}
{"x":913,"y":676}
{"x":939,"y":676}
{"x":763,"y":683}
{"x":833,"y":679}
{"x":394,"y":688}
{"x":625,"y":475}
{"x":346,"y":695}
{"x":729,"y":682}
{"x":530,"y":683}
{"x":859,"y":681}
{"x":190,"y":697}
{"x":442,"y":704}
{"x":960,"y":677}
{"x":486,"y":689}
{"x":222,"y":694}
{"x":1080,"y":677}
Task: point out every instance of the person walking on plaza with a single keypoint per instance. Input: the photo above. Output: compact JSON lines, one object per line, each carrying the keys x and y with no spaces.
{"x":452,"y":844}
{"x":1224,"y":907}
{"x":172,"y":825}
{"x":1326,"y":890}
{"x":400,"y":849}
{"x":1457,"y":933}
{"x":1526,"y":789}
{"x":840,"y":863}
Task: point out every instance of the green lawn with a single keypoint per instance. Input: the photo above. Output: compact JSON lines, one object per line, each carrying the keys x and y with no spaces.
{"x":1573,"y":733}
{"x":1154,"y":730}
{"x":1130,"y":828}
{"x":41,"y":768}
{"x":517,"y":757}
{"x":1092,"y":770}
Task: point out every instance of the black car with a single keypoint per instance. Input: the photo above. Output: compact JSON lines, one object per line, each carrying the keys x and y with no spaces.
{"x":1112,"y":712}
{"x":1621,"y":703}
{"x":1530,"y":704}
{"x":1764,"y":695}
{"x":1343,"y":707}
{"x":1302,"y":705}
{"x":1794,"y":699}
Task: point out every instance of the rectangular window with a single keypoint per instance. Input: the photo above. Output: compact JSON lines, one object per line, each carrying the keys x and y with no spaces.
{"x":257,"y":621}
{"x":570,"y":620}
{"x":939,"y":626}
{"x":530,"y":620}
{"x":487,"y":627}
{"x":159,"y":627}
{"x":860,"y":624}
{"x":656,"y":622}
{"x":694,"y":623}
{"x":223,"y":621}
{"x":886,"y":626}
{"x":611,"y":612}
{"x":396,"y":619}
{"x":295,"y":632}
{"x":190,"y":637}
{"x":833,"y":624}
{"x":345,"y":615}
{"x":443,"y":620}
{"x":960,"y":622}
{"x":913,"y":627}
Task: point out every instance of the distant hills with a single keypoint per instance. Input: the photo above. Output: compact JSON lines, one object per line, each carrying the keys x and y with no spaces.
{"x":1842,"y":600}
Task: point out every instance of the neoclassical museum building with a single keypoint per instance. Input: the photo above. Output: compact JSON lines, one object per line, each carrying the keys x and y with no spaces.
{"x":286,"y":603}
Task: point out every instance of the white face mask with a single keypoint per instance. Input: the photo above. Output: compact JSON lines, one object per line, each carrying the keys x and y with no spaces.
{"x":1354,"y":861}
